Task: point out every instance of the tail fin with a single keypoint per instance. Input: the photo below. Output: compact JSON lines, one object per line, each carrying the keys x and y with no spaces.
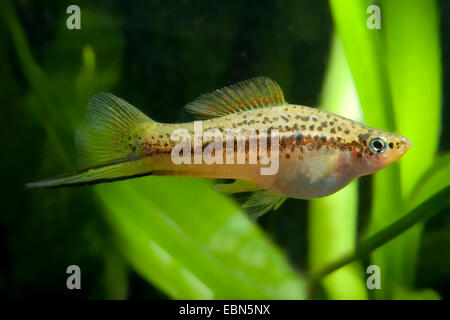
{"x":108,"y":144}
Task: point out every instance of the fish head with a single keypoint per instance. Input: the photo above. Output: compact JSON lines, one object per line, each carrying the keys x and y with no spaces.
{"x":377,"y":150}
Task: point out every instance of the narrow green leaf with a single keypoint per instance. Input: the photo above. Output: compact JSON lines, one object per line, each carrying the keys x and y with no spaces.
{"x":413,"y":62}
{"x":433,"y":180}
{"x":365,"y":59}
{"x":333,"y":219}
{"x":413,"y":68}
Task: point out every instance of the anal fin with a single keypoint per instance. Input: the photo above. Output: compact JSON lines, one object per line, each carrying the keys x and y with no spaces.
{"x":260,"y":202}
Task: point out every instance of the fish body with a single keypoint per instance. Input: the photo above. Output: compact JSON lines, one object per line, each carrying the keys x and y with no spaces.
{"x":318,"y":152}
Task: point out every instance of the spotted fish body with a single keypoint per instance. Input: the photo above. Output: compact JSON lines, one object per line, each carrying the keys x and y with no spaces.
{"x":319,"y":152}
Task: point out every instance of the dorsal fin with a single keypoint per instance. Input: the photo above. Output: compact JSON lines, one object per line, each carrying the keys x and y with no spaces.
{"x":259,"y":92}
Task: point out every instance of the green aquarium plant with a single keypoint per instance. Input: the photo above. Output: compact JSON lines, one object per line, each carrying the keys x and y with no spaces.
{"x":388,"y":66}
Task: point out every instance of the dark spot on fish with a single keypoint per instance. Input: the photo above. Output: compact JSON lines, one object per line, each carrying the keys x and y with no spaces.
{"x":339,"y":128}
{"x":295,"y":126}
{"x":284,"y":118}
{"x":315,"y":118}
{"x":319,"y":128}
{"x":324,"y":124}
{"x":303,"y":127}
{"x":346,"y":131}
{"x":297,"y":117}
{"x":306,"y":118}
{"x":363,"y":137}
{"x":311,"y":127}
{"x":333,"y":130}
{"x":331,"y":123}
{"x":287,"y":155}
{"x":324,"y":139}
{"x":391,"y":145}
{"x":299,"y":138}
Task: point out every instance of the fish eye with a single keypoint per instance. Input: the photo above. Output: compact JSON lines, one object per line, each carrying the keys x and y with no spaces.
{"x":377,"y":145}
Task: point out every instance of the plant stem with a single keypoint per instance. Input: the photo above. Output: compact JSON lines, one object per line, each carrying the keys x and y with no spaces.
{"x":422,"y":212}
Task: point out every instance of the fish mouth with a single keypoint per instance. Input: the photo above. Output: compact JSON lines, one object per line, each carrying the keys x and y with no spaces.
{"x":406,"y":144}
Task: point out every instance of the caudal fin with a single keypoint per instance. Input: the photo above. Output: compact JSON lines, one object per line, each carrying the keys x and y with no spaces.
{"x":109,"y":172}
{"x":108,"y":144}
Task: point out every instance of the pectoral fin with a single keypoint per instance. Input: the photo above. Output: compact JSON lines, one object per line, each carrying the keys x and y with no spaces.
{"x":321,"y":165}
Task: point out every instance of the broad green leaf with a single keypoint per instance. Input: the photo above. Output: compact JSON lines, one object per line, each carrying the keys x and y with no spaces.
{"x":207,"y":249}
